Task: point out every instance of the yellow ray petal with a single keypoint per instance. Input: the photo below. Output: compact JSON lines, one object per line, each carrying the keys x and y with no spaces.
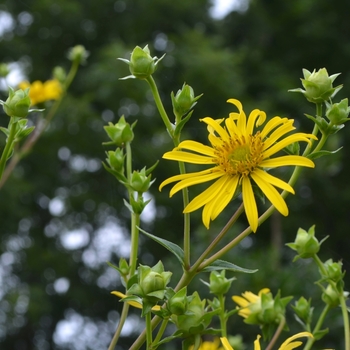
{"x":197,"y":147}
{"x":285,"y":345}
{"x":278,"y":133}
{"x":287,"y":160}
{"x":194,"y":181}
{"x":285,"y":142}
{"x":188,"y":157}
{"x":240,"y":301}
{"x":217,"y":127}
{"x":272,"y":194}
{"x":237,"y":103}
{"x":227,"y":192}
{"x":226,"y":344}
{"x":184,"y":176}
{"x":251,"y":210}
{"x":257,"y":343}
{"x":275,"y":181}
{"x":272,"y":124}
{"x":206,"y":196}
{"x":256,"y":117}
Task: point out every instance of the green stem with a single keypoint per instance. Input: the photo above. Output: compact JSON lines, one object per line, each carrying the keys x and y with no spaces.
{"x":123,"y":317}
{"x":160,"y":332}
{"x":9,"y":146}
{"x":345,"y":314}
{"x":222,"y":316}
{"x":148,"y":330}
{"x":318,"y":326}
{"x":39,"y":129}
{"x":169,"y":126}
{"x":277,"y":334}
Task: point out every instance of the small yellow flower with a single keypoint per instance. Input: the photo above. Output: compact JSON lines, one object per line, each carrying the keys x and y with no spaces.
{"x":210,"y":345}
{"x":249,"y":302}
{"x":238,"y":155}
{"x":289,"y":344}
{"x":133,"y":302}
{"x":40,"y":92}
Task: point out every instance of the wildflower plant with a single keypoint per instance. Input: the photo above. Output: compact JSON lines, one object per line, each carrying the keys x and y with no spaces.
{"x":236,"y":164}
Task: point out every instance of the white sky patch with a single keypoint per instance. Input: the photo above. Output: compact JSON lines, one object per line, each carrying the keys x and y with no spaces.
{"x":221,"y":8}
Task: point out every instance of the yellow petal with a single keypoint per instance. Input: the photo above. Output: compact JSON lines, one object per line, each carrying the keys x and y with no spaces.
{"x":237,"y":103}
{"x":288,"y":345}
{"x":242,"y":302}
{"x":272,"y":124}
{"x":287,"y":160}
{"x":182,"y":177}
{"x":217,"y":127}
{"x":131,"y":302}
{"x":272,"y":194}
{"x":194,"y":180}
{"x":206,"y":196}
{"x":249,"y":204}
{"x":286,"y":142}
{"x":197,"y":147}
{"x":188,"y":157}
{"x":257,"y":343}
{"x":275,"y":181}
{"x":255,"y":117}
{"x":278,"y":133}
{"x":226,"y":344}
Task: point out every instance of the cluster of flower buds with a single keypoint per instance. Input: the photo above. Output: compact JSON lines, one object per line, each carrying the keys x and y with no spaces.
{"x":17,"y":104}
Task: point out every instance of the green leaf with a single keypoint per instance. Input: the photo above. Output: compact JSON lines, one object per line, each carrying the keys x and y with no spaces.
{"x":172,"y":247}
{"x":322,"y":153}
{"x":226,"y":265}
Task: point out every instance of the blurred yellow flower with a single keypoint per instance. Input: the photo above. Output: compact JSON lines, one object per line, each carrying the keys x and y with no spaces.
{"x":40,"y":92}
{"x":210,"y":345}
{"x":249,"y":302}
{"x":238,"y":156}
{"x":133,"y":302}
{"x":289,"y":344}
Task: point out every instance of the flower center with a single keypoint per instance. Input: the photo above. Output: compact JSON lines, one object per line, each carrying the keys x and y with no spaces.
{"x":241,"y":155}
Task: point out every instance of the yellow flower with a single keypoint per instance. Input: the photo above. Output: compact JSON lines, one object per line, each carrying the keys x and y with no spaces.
{"x":210,"y":345}
{"x":238,"y":156}
{"x":250,"y":302}
{"x":133,"y":302}
{"x":40,"y":92}
{"x":289,"y":344}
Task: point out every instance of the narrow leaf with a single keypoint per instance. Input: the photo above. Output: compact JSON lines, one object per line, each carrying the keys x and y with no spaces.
{"x":226,"y":265}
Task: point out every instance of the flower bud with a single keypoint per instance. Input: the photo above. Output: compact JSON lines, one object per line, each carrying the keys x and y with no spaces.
{"x":140,"y":182}
{"x":303,"y":309}
{"x":219,"y":284}
{"x":78,"y":54}
{"x":183,"y":101}
{"x":141,"y":64}
{"x":318,"y":85}
{"x":334,"y":270}
{"x":306,"y":244}
{"x":59,"y":74}
{"x":115,"y":160}
{"x":17,"y":104}
{"x":177,"y":304}
{"x":337,"y":113}
{"x":120,"y":133}
{"x":331,"y":296}
{"x":4,"y":70}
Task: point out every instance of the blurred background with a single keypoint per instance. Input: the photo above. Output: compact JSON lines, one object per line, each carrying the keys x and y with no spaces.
{"x":62,"y":215}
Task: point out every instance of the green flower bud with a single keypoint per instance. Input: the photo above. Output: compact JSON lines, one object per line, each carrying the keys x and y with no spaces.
{"x":318,"y":85}
{"x":115,"y":160}
{"x":17,"y":104}
{"x":334,"y":270}
{"x":183,"y":101}
{"x":303,"y":309}
{"x":141,"y":64}
{"x":59,"y":74}
{"x":219,"y":284}
{"x":337,"y":113}
{"x":140,"y":182}
{"x":194,"y":320}
{"x":120,"y":133}
{"x":153,"y":280}
{"x":78,"y":54}
{"x":306,"y":244}
{"x":4,"y":70}
{"x":177,"y":304}
{"x":331,"y":296}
